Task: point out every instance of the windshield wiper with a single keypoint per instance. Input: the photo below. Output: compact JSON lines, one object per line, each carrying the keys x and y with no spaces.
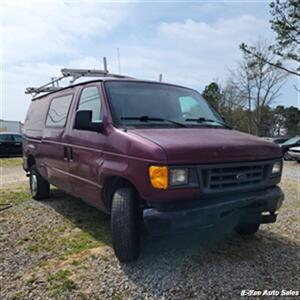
{"x":147,"y":118}
{"x":202,"y":120}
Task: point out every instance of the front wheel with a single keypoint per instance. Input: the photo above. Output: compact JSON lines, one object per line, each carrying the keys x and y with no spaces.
{"x":39,"y":187}
{"x":124,"y":225}
{"x":247,"y":228}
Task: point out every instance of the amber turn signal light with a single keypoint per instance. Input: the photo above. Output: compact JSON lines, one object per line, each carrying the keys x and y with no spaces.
{"x":159,"y":177}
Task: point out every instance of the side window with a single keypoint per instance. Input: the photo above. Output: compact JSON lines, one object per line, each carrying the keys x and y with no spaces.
{"x":58,"y":111}
{"x":90,"y":100}
{"x":6,"y":138}
{"x":18,"y":138}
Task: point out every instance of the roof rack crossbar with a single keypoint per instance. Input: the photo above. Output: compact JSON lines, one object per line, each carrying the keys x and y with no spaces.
{"x":53,"y":85}
{"x":77,"y":73}
{"x":48,"y":89}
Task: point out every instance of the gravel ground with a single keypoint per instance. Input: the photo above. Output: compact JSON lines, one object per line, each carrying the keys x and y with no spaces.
{"x":12,"y":176}
{"x":187,"y":266}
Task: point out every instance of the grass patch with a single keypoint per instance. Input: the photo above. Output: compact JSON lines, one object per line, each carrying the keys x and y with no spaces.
{"x":59,"y":283}
{"x":10,"y":162}
{"x":83,"y":229}
{"x":59,"y":243}
{"x":14,"y":196}
{"x":32,"y":279}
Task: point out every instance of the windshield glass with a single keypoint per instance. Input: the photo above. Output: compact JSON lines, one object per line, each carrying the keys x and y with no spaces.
{"x":292,"y":141}
{"x":132,"y":100}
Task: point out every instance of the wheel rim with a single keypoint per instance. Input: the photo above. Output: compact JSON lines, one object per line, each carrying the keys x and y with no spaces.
{"x":33,"y":184}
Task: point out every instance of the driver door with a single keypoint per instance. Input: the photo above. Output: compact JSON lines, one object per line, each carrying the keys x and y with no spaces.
{"x":86,"y":148}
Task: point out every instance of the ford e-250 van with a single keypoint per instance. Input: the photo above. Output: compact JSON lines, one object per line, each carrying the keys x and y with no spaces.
{"x":153,"y":155}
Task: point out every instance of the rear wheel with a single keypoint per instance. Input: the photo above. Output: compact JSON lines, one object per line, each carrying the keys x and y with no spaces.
{"x":39,"y":187}
{"x":286,"y":156}
{"x":247,"y":228}
{"x":125,"y":225}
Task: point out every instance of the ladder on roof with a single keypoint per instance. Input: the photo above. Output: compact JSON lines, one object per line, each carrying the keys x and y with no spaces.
{"x":53,"y":85}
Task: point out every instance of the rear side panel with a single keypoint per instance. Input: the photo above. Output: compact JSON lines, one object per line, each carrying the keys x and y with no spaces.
{"x":46,"y":144}
{"x":33,"y":132}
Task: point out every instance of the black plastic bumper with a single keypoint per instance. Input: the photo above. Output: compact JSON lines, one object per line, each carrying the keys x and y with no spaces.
{"x":256,"y":207}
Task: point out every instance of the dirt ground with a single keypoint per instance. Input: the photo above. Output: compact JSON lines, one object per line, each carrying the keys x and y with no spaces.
{"x":61,"y":249}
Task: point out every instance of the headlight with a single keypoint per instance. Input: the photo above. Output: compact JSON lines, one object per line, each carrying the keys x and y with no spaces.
{"x":276,"y":169}
{"x":159,"y":177}
{"x":178,"y":176}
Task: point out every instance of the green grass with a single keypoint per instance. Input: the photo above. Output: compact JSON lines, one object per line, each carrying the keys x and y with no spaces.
{"x":82,"y":227}
{"x":62,"y":241}
{"x":59,"y":283}
{"x":31,"y":279}
{"x":10,"y":162}
{"x":14,"y":196}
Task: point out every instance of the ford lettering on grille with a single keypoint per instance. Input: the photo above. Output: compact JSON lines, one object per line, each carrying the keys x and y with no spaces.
{"x":241,"y":176}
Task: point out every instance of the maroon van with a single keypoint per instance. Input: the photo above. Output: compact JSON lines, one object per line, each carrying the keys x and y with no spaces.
{"x":151,"y":154}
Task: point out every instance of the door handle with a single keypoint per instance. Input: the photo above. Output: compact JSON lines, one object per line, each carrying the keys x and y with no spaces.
{"x":68,"y":154}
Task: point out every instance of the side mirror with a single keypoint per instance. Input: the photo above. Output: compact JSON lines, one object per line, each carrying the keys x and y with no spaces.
{"x":83,"y":121}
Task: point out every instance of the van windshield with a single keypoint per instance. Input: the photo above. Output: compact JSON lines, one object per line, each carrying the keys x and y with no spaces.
{"x":156,"y":104}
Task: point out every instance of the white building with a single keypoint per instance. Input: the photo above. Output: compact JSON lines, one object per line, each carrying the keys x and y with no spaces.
{"x":10,"y":126}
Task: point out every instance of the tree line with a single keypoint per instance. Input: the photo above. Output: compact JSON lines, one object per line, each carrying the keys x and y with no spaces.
{"x":246,"y":98}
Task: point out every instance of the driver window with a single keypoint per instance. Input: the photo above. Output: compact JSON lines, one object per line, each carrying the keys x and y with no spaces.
{"x":90,"y":100}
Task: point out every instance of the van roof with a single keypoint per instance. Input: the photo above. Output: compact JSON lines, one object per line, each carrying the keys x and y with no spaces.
{"x":107,"y":78}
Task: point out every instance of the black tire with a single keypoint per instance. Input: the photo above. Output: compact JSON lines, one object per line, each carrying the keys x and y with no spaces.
{"x":286,"y":156}
{"x":247,"y":228}
{"x":39,"y":187}
{"x":298,"y":161}
{"x":125,"y":225}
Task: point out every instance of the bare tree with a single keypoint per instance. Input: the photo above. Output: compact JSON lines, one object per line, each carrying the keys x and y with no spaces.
{"x":285,"y":23}
{"x":260,"y":82}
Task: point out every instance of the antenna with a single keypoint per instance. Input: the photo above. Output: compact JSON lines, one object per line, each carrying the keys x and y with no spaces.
{"x":160,"y":77}
{"x":105,"y":65}
{"x":119,"y":63}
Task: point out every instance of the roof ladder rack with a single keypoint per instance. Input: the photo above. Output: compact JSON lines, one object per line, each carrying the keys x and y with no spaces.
{"x":53,"y":85}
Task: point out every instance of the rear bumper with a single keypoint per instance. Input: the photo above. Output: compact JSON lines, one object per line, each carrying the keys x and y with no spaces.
{"x":259,"y":206}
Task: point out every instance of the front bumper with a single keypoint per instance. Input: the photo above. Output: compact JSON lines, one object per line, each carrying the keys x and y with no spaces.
{"x":256,"y":207}
{"x":294,"y":155}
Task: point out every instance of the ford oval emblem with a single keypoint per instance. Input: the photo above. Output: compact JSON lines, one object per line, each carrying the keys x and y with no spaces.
{"x":241,"y":176}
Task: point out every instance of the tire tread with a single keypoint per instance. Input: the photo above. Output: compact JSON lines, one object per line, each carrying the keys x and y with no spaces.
{"x":124,"y":220}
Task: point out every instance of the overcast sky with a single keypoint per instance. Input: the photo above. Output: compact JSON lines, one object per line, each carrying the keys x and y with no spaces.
{"x":191,"y":43}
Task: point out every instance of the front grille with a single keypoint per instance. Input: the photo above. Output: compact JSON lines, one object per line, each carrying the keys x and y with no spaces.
{"x":295,"y":150}
{"x":219,"y":178}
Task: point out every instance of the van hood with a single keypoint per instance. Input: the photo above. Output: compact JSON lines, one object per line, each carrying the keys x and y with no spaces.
{"x":209,"y":145}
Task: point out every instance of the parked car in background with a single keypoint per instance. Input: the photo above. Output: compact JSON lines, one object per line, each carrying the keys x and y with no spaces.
{"x":154,"y":155}
{"x":276,"y":140}
{"x":10,"y":144}
{"x":294,"y":153}
{"x":280,"y":140}
{"x":293,"y":142}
